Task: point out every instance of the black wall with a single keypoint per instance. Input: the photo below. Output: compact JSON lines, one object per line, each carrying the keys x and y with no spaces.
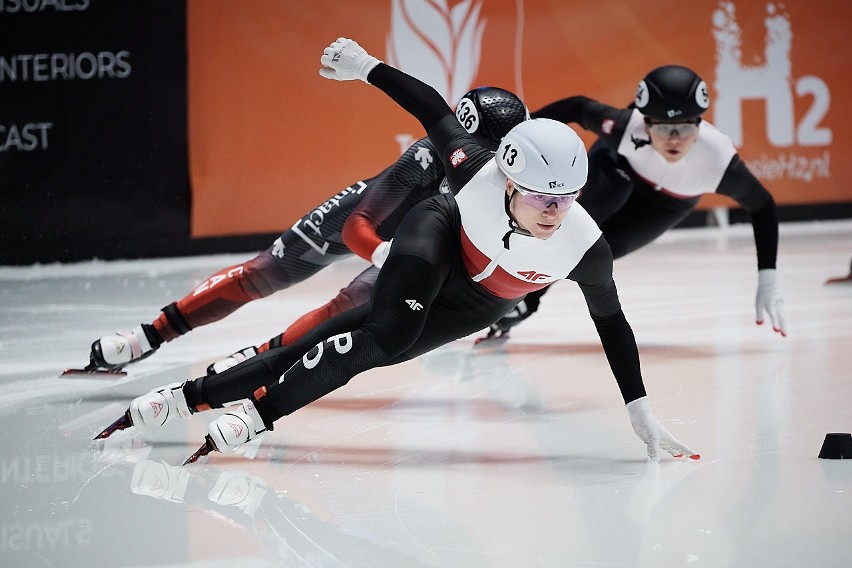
{"x":93,"y":144}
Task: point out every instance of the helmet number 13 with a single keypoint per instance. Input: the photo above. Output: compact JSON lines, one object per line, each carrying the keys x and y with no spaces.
{"x":509,"y":154}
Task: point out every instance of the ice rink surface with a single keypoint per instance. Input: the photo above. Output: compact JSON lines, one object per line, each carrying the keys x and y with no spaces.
{"x":519,"y":457}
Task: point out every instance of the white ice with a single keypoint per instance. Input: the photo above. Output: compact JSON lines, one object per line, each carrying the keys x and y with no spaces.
{"x":519,"y":457}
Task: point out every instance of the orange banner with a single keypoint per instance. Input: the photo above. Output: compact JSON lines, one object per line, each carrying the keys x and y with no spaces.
{"x":270,"y":138}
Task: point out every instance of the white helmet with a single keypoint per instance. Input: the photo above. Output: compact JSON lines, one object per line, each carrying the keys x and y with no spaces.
{"x":544,"y":156}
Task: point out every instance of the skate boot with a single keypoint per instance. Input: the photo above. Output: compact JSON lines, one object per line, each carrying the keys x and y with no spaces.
{"x":117,"y":350}
{"x":498,"y":333}
{"x":231,"y":431}
{"x":237,"y":427}
{"x":231,"y":360}
{"x":152,"y":410}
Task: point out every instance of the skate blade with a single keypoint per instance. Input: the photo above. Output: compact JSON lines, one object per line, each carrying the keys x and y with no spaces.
{"x":839,"y":280}
{"x":490,"y":341}
{"x":93,"y":371}
{"x":120,"y":424}
{"x":205,"y":449}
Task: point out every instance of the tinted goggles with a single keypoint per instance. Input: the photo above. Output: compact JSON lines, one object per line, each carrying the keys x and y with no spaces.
{"x":543,"y":201}
{"x":666,"y":129}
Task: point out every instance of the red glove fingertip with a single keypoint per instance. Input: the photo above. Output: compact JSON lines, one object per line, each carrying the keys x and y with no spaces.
{"x":678,"y":456}
{"x":695,"y":457}
{"x":759,"y":322}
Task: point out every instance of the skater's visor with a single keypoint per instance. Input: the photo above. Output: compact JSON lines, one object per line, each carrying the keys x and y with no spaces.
{"x":681,"y":129}
{"x":543,"y":201}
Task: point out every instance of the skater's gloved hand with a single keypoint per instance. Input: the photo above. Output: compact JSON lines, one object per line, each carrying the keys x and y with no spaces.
{"x":769,"y":300}
{"x":654,"y":434}
{"x":380,"y":254}
{"x":345,"y":60}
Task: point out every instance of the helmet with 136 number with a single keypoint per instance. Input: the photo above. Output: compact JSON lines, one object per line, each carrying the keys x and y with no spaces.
{"x":488,"y":113}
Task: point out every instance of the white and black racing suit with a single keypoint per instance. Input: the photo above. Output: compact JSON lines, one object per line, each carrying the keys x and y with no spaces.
{"x":457,"y":264}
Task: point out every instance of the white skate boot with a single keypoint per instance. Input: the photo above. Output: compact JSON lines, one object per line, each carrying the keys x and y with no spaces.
{"x":118,"y":349}
{"x":154,"y":409}
{"x":232,"y":431}
{"x":235,"y":428}
{"x":231,"y":360}
{"x":151,"y":410}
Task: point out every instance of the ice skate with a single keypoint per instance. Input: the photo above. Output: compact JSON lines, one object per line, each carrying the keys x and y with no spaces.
{"x":841,"y":279}
{"x":231,"y":360}
{"x":152,"y":410}
{"x":496,"y":337}
{"x":121,"y":424}
{"x":498,"y":333}
{"x":111,"y":353}
{"x":92,"y":370}
{"x":121,"y":348}
{"x":233,"y":430}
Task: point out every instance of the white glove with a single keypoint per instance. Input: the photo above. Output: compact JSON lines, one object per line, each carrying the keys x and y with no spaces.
{"x":380,"y":254}
{"x":654,"y":434}
{"x":769,"y":300}
{"x":345,"y":60}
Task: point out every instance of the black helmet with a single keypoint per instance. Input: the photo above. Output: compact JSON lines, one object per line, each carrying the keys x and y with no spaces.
{"x":488,"y":113}
{"x":672,"y":92}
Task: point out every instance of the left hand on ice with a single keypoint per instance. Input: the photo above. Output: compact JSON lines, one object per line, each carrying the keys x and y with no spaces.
{"x":345,"y":60}
{"x":769,"y":300}
{"x":654,"y":434}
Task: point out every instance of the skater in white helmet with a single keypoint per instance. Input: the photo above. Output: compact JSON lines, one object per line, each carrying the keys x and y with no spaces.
{"x":457,"y":264}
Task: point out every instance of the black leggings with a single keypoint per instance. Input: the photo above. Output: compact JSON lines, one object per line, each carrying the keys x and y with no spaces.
{"x":423,"y":298}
